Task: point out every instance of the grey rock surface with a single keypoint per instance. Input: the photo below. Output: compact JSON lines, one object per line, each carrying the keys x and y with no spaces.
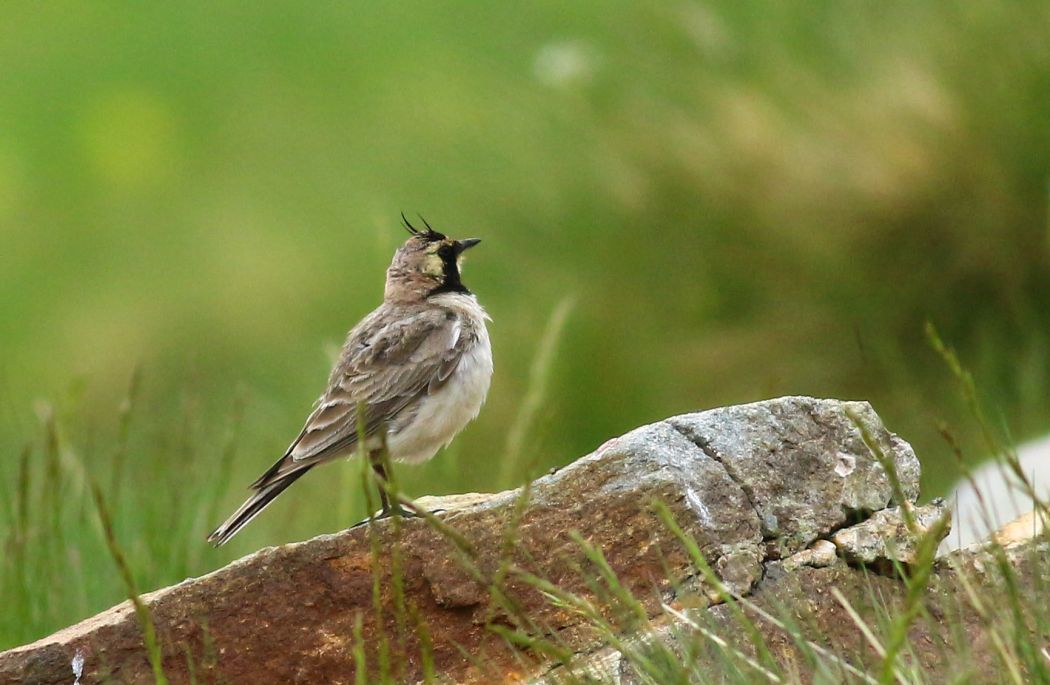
{"x":887,"y":535}
{"x":803,"y":463}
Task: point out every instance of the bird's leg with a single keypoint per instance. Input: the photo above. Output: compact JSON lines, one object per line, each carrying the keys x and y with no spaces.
{"x":390,"y":505}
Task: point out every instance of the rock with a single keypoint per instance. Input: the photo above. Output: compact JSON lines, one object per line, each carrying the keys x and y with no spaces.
{"x":886,"y":537}
{"x":1023,"y":528}
{"x":818,"y":555}
{"x":822,"y":622}
{"x":993,"y":496}
{"x":750,"y":484}
{"x":803,"y":463}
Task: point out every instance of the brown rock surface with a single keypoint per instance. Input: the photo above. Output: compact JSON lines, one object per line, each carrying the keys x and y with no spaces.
{"x":949,"y":640}
{"x":750,"y":484}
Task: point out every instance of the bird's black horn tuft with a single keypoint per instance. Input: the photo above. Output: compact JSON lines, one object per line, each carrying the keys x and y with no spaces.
{"x":408,"y":225}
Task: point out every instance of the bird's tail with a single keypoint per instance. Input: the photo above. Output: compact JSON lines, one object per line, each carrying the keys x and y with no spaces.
{"x":253,"y":506}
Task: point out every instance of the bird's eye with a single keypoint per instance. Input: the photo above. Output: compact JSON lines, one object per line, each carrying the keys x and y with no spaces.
{"x":445,"y":252}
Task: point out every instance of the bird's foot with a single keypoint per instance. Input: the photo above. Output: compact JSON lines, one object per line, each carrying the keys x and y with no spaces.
{"x":406,"y":511}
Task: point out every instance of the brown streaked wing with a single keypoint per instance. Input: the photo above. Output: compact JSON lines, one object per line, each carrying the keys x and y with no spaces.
{"x":386,"y":371}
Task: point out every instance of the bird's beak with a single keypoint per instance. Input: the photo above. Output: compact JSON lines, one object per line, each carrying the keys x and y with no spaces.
{"x":464,"y":245}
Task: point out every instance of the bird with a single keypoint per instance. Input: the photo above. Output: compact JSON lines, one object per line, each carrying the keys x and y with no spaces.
{"x":414,"y":372}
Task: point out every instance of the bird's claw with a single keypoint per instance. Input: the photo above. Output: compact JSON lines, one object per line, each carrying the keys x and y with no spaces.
{"x":403,"y":511}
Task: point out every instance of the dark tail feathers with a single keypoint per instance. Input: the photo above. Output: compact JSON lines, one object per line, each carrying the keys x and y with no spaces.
{"x":252,"y":507}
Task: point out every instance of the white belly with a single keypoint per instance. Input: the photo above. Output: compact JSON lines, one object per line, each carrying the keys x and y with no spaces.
{"x":444,"y":414}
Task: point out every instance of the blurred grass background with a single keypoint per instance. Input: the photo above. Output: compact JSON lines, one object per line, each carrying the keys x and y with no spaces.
{"x":683,"y":205}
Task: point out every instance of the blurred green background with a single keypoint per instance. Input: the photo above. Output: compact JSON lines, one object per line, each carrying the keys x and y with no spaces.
{"x":683,"y":205}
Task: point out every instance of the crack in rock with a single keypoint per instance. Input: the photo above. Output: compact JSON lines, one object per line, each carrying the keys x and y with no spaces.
{"x":801,"y":463}
{"x":706,"y":448}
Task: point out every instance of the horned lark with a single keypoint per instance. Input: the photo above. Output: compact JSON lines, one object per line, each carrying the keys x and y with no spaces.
{"x":416,"y":370}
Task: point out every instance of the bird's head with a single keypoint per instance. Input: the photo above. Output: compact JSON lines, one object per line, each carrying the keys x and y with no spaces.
{"x":427,"y":264}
